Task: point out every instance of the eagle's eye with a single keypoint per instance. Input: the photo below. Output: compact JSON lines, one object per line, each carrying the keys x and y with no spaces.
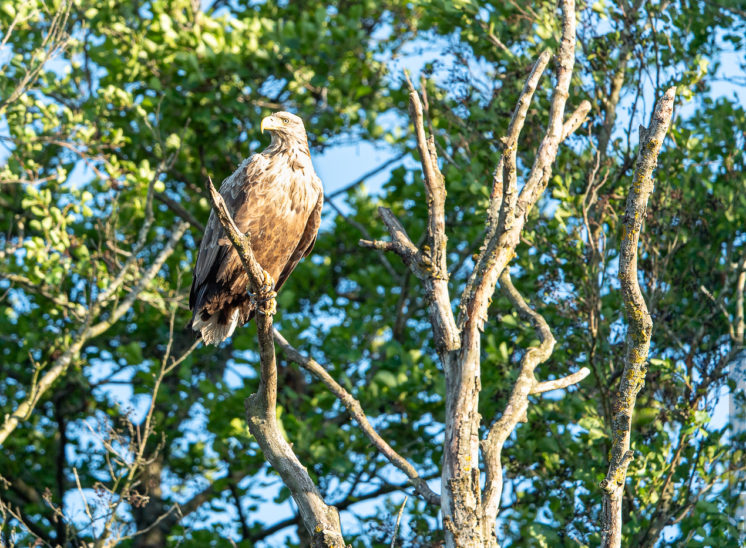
{"x":285,"y":121}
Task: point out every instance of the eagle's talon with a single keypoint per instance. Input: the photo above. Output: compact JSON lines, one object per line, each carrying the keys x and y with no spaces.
{"x":270,"y":306}
{"x":264,"y":300}
{"x":268,"y":281}
{"x":266,"y":304}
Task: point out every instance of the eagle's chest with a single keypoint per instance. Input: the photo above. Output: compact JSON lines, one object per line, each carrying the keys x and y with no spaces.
{"x":286,"y":198}
{"x":277,"y":212}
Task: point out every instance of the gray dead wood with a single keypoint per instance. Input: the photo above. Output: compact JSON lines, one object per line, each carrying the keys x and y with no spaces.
{"x":639,"y":322}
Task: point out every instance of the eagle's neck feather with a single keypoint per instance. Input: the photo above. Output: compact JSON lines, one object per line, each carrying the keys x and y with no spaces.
{"x":296,"y":150}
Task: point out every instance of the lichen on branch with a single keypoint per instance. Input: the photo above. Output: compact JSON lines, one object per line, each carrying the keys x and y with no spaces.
{"x":639,"y":322}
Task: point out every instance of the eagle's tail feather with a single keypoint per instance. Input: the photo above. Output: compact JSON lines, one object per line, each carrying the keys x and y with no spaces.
{"x":213,"y":331}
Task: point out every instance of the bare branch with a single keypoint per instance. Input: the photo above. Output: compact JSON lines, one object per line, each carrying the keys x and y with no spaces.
{"x":541,"y":170}
{"x":179,"y":210}
{"x":434,"y":252}
{"x":355,"y":409}
{"x":503,"y":232}
{"x":378,"y":244}
{"x":721,"y":306}
{"x":468,"y":516}
{"x":515,"y":411}
{"x":640,"y":324}
{"x":401,"y":243}
{"x":509,"y":177}
{"x":434,"y":185}
{"x":740,"y":325}
{"x":564,"y":382}
{"x":321,"y":521}
{"x":398,"y":520}
{"x":575,"y":120}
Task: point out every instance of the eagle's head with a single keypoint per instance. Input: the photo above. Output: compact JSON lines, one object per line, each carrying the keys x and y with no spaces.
{"x":284,"y":126}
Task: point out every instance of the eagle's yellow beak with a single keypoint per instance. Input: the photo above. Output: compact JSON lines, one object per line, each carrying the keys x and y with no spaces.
{"x":267,"y":123}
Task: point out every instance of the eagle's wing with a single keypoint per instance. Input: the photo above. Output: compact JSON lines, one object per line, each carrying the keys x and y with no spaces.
{"x":306,"y":243}
{"x":212,"y":251}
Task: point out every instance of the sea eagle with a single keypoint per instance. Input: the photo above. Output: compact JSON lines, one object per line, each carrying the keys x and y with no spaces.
{"x":277,"y":197}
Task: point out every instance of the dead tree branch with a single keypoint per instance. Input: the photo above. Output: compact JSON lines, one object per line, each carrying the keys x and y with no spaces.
{"x":563,"y":382}
{"x":321,"y":520}
{"x":467,"y":519}
{"x":575,"y":120}
{"x":355,"y":409}
{"x":433,"y":255}
{"x":640,"y":324}
{"x":461,"y":473}
{"x":503,"y":231}
{"x":515,"y":411}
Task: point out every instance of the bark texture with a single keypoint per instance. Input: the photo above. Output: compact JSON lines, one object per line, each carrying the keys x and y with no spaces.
{"x":639,"y":322}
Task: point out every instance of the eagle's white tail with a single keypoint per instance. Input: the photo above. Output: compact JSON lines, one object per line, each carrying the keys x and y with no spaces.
{"x":212,"y":331}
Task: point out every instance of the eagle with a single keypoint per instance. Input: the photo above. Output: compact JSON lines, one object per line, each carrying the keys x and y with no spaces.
{"x":277,"y":197}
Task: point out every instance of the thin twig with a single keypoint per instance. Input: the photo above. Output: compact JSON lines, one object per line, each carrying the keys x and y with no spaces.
{"x":398,"y":520}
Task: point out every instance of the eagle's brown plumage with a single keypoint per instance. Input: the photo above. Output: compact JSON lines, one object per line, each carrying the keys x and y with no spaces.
{"x":275,"y":195}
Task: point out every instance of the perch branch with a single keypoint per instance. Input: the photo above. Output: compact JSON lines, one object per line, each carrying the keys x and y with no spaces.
{"x":640,"y":324}
{"x":242,"y":242}
{"x":356,"y":410}
{"x":321,"y":521}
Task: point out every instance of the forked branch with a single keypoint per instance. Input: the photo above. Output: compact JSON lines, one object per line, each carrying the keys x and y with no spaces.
{"x":515,"y":410}
{"x":504,"y":229}
{"x":433,"y":255}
